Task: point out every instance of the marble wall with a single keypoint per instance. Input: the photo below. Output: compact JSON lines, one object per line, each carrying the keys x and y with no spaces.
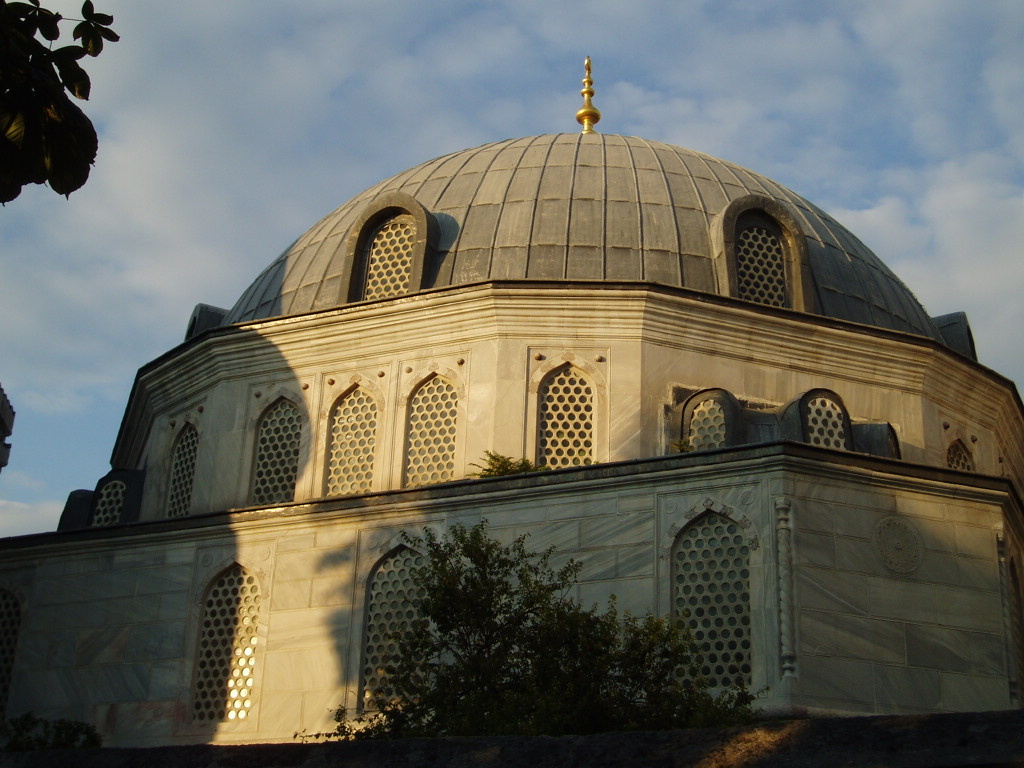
{"x":871,"y":589}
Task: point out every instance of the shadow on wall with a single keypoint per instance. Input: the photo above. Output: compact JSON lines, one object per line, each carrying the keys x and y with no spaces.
{"x":166,"y":623}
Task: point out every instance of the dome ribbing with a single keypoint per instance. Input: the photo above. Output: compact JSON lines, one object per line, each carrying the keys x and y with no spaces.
{"x":584,"y":207}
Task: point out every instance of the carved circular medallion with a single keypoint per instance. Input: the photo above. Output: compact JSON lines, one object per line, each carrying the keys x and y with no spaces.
{"x":899,"y":545}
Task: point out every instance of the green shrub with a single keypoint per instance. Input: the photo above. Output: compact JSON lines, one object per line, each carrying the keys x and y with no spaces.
{"x":497,"y":465}
{"x":27,"y":732}
{"x":501,"y":648}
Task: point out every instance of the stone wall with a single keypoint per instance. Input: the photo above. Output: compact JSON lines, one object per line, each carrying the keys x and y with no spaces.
{"x":111,"y":629}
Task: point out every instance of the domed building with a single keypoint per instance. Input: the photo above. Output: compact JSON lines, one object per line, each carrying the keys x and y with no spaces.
{"x":750,"y":422}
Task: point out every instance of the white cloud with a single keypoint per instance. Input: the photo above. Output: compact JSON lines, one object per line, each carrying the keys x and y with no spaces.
{"x":953,"y":236}
{"x":17,"y":519}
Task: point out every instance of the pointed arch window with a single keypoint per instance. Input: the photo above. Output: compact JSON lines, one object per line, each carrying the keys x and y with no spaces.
{"x":10,"y":628}
{"x":393,"y":607}
{"x":565,"y":423}
{"x":430,"y":442}
{"x":276,"y":463}
{"x":958,"y":456}
{"x":109,"y":504}
{"x":183,"y":470}
{"x":352,"y":443}
{"x":711,"y":594}
{"x":225,"y":670}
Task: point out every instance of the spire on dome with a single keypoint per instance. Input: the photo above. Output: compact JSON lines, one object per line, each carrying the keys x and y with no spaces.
{"x":589,"y":115}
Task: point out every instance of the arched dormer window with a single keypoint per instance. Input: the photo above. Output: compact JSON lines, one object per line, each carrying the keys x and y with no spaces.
{"x":565,"y":423}
{"x":225,"y":671}
{"x":761,"y":260}
{"x":352,"y":443}
{"x":183,"y":470}
{"x":431,"y":431}
{"x":388,"y":249}
{"x":10,"y":628}
{"x":711,"y":419}
{"x":711,"y":594}
{"x":761,"y":253}
{"x":389,"y":258}
{"x":958,"y":456}
{"x":392,"y":608}
{"x":824,"y":420}
{"x":276,"y":462}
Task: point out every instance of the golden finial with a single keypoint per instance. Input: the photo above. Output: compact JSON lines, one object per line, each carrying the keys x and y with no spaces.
{"x":589,"y":114}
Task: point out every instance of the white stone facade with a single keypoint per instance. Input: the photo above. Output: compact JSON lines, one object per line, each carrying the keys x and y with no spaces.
{"x":838,"y":622}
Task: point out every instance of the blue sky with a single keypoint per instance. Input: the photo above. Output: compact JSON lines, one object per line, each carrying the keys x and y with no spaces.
{"x":228,"y":128}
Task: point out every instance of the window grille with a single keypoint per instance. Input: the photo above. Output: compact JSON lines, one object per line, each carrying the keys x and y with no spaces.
{"x":707,"y":426}
{"x":826,"y":423}
{"x":226,"y":660}
{"x":109,"y":504}
{"x":566,"y":419}
{"x":760,"y":266}
{"x":389,"y":259}
{"x":393,"y":605}
{"x":353,"y":439}
{"x":958,"y":457}
{"x":711,"y":582}
{"x":10,"y":627}
{"x":277,"y":454}
{"x":183,"y":470}
{"x":430,"y":447}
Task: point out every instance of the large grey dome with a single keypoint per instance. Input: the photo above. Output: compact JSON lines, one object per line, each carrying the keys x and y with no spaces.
{"x":585,"y":207}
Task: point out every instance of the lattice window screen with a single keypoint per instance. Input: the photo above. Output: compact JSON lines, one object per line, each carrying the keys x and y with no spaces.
{"x":277,"y":454}
{"x":430,"y":447}
{"x":711,"y":582}
{"x":826,"y":425}
{"x":958,"y":457}
{"x":183,"y":471}
{"x":566,"y":420}
{"x":10,"y":627}
{"x":707,"y":426}
{"x":393,"y":606}
{"x":226,"y":659}
{"x":353,"y":439}
{"x":109,"y":504}
{"x":390,"y":258}
{"x":760,"y":266}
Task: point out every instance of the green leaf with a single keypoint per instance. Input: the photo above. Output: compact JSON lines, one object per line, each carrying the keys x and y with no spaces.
{"x":104,"y":19}
{"x":108,"y":34}
{"x":21,"y":10}
{"x":69,"y":147}
{"x":91,"y":40}
{"x":74,"y":52}
{"x":73,"y":77}
{"x":13,"y":126}
{"x":88,"y":10}
{"x":47,"y":23}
